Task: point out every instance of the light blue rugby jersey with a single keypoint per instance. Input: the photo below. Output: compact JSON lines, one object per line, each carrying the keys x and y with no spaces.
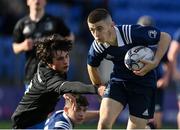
{"x":59,"y":120}
{"x":128,"y":36}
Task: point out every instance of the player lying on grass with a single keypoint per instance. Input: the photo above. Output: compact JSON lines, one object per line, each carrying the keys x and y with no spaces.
{"x":70,"y":116}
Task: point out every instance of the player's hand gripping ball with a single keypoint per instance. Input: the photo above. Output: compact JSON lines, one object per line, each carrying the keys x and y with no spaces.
{"x":135,"y":54}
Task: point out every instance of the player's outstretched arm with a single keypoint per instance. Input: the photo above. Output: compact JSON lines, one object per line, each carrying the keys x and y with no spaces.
{"x":91,"y":114}
{"x":77,"y":87}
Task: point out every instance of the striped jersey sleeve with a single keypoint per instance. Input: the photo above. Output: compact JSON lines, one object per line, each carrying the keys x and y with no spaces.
{"x":96,"y":53}
{"x":140,"y":35}
{"x":61,"y":125}
{"x":59,"y":120}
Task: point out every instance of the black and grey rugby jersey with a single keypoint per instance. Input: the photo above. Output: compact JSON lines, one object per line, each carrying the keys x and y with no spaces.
{"x":42,"y":95}
{"x":26,"y":28}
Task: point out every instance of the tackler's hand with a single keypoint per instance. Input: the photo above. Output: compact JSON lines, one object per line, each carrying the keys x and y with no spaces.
{"x":71,"y":97}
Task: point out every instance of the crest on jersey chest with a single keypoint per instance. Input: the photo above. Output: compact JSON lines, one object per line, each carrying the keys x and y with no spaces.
{"x":48,"y":26}
{"x":152,"y":33}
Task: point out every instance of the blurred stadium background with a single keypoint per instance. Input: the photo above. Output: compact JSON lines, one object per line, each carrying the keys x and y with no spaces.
{"x":74,"y":12}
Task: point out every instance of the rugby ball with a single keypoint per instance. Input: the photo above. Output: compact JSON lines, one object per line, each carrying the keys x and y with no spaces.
{"x":135,"y":54}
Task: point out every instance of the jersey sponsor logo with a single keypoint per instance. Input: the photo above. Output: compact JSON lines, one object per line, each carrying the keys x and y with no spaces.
{"x":152,"y":33}
{"x":145,"y":113}
{"x":28,"y":29}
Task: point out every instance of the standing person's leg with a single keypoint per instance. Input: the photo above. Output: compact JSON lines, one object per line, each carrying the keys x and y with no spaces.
{"x":109,"y":111}
{"x":136,"y":123}
{"x":112,"y":104}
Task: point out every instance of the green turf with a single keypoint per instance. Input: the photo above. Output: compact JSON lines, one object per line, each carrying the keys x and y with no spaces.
{"x":94,"y":126}
{"x":7,"y":125}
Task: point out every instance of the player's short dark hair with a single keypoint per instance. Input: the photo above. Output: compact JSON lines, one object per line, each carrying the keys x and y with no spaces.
{"x":98,"y":15}
{"x":80,"y":100}
{"x":45,"y":47}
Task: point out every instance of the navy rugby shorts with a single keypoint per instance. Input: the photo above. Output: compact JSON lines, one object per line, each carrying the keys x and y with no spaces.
{"x":139,"y":98}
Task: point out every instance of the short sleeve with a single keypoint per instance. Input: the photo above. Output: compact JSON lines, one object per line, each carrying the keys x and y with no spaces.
{"x":18,"y":32}
{"x":95,"y":55}
{"x":145,"y":34}
{"x":139,"y":35}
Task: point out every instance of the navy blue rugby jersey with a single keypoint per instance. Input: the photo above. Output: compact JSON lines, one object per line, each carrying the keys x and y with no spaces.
{"x":128,"y":36}
{"x":59,"y":120}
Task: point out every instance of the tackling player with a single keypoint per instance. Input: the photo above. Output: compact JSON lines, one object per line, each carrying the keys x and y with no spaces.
{"x":48,"y":84}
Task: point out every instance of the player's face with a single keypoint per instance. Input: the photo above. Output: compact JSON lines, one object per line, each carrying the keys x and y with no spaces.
{"x":77,"y":115}
{"x":100,"y":31}
{"x":36,"y":4}
{"x":60,"y":61}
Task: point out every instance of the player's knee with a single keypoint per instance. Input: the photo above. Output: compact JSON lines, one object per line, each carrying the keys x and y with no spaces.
{"x":104,"y":124}
{"x":137,"y":123}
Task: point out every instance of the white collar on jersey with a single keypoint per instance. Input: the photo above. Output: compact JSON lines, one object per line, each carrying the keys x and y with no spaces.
{"x":69,"y":121}
{"x":119,"y":38}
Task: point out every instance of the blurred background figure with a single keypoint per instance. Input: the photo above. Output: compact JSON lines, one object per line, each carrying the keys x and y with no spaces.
{"x":36,"y":24}
{"x":162,"y":79}
{"x":174,"y":58}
